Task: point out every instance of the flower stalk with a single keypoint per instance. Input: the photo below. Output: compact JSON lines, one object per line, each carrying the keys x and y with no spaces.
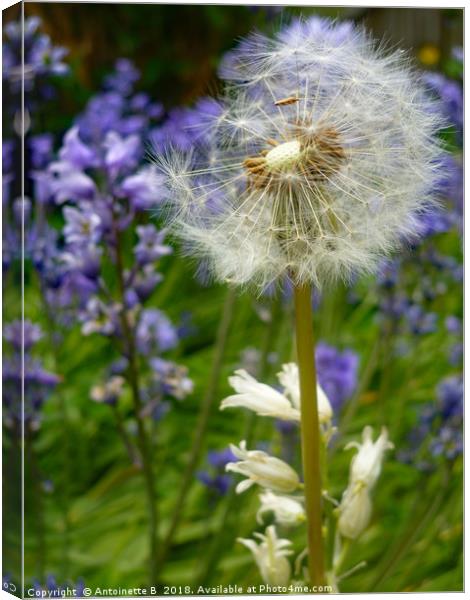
{"x":310,"y":431}
{"x":142,"y":436}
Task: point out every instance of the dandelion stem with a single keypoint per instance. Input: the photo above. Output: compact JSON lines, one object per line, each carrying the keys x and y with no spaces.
{"x":310,"y":431}
{"x":202,"y":424}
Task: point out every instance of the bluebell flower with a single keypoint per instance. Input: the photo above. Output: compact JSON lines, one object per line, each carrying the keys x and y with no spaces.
{"x":337,"y":373}
{"x":69,"y":183}
{"x":142,"y":188}
{"x":155,"y":333}
{"x":170,"y":378}
{"x":453,"y":325}
{"x":22,"y":334}
{"x":123,"y":78}
{"x":450,"y":92}
{"x":215,"y":477}
{"x":30,"y":56}
{"x":419,"y":321}
{"x":450,"y":396}
{"x":20,"y":369}
{"x":388,"y":273}
{"x":145,"y":282}
{"x":150,"y":247}
{"x":185,"y":127}
{"x":121,"y":152}
{"x":41,"y":147}
{"x":82,"y":225}
{"x":99,"y":317}
{"x":76,"y":152}
{"x":84,"y":258}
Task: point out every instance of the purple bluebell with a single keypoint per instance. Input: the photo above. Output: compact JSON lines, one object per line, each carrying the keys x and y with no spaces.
{"x":82,"y":225}
{"x":150,"y":247}
{"x":30,"y":57}
{"x":22,"y":369}
{"x":41,"y":147}
{"x":76,"y":152}
{"x":170,"y":378}
{"x":215,"y":478}
{"x":124,"y":77}
{"x":144,"y":188}
{"x":155,"y":333}
{"x":450,"y":93}
{"x":146,"y":281}
{"x":450,"y":397}
{"x":70,"y":184}
{"x":440,"y":426}
{"x":99,"y":317}
{"x":337,"y":373}
{"x":185,"y":127}
{"x":419,"y":321}
{"x":19,"y":333}
{"x":453,"y":325}
{"x":121,"y":152}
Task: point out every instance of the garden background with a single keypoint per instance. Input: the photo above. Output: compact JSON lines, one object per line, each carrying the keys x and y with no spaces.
{"x":104,"y":84}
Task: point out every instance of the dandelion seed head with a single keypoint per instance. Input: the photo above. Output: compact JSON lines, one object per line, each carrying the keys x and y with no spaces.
{"x":320,"y":156}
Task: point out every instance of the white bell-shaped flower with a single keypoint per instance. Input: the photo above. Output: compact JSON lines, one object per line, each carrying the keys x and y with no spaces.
{"x":270,"y":556}
{"x":287,"y":510}
{"x":367,"y":463}
{"x":356,"y":508}
{"x":354,"y":511}
{"x":267,"y":471}
{"x":289,"y":379}
{"x":259,"y":397}
{"x":266,"y":401}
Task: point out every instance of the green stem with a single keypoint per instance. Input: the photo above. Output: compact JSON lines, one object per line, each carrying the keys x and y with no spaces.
{"x":202,"y":424}
{"x":38,"y":508}
{"x":65,"y":491}
{"x":142,"y":437}
{"x":310,"y":430}
{"x":128,"y":445}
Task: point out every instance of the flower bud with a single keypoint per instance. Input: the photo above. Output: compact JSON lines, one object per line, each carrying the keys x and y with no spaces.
{"x":270,"y":556}
{"x":287,"y":511}
{"x":267,"y":471}
{"x":354,"y":511}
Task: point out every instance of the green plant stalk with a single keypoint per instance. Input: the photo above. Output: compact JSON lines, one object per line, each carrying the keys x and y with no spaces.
{"x":38,"y":507}
{"x":142,"y":437}
{"x":65,"y":492}
{"x":128,"y":445}
{"x":310,"y":431}
{"x":202,"y":423}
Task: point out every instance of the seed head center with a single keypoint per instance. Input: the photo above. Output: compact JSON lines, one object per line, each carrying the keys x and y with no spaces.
{"x":284,"y":156}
